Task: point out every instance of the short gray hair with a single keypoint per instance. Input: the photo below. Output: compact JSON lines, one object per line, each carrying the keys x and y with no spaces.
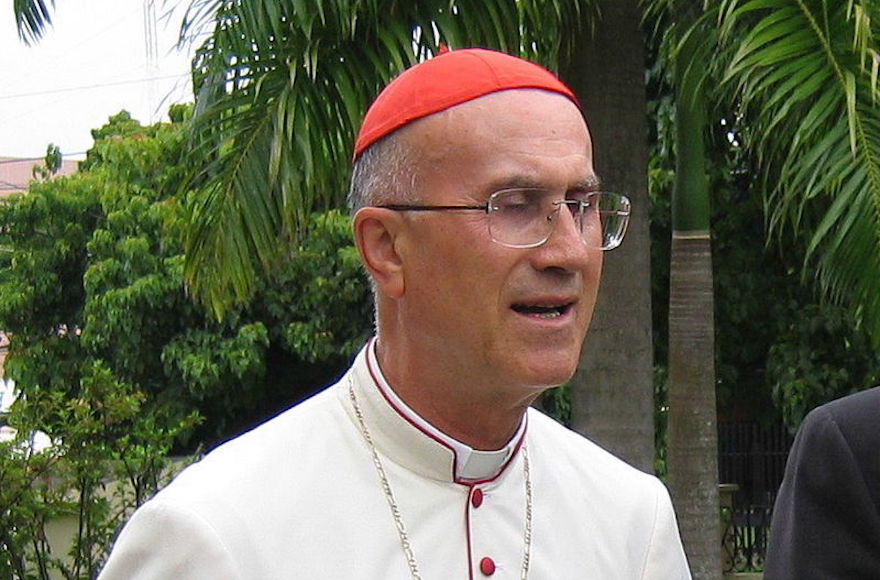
{"x":382,"y":174}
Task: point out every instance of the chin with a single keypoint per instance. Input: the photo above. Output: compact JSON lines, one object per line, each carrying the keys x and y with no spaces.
{"x":548,"y":372}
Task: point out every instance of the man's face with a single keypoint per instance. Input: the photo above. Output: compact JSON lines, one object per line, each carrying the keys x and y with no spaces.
{"x":498,"y":317}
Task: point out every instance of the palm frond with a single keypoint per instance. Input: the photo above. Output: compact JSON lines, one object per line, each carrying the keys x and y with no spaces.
{"x":806,"y":78}
{"x":281,"y":88}
{"x":31,"y":18}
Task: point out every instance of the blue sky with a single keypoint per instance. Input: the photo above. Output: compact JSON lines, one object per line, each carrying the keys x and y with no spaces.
{"x":91,"y":63}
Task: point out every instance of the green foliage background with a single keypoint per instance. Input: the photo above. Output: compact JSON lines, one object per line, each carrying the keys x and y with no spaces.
{"x":96,"y":275}
{"x":781,"y":348}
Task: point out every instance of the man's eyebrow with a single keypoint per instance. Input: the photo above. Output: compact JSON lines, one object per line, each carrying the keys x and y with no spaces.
{"x":592,"y":183}
{"x":516,"y":182}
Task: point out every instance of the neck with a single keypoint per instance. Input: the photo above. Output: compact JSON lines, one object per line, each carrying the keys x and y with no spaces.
{"x":479,"y":416}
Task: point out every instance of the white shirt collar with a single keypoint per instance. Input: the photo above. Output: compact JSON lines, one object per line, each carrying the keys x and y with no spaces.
{"x":471,"y":464}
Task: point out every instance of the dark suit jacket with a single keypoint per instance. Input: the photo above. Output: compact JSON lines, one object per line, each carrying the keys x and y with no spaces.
{"x":826,"y":520}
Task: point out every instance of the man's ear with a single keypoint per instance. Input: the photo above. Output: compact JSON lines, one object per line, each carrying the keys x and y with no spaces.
{"x":376,"y":232}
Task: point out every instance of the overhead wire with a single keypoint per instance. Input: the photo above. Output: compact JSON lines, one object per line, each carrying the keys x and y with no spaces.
{"x":94,"y":86}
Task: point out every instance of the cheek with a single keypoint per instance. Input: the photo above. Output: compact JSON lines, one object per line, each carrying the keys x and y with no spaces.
{"x":592,"y":276}
{"x":457,"y":245}
{"x":440,"y":268}
{"x":592,"y":230}
{"x":460,"y":286}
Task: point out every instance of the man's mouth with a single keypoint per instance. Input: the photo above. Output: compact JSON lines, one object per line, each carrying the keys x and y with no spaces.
{"x":548,"y":311}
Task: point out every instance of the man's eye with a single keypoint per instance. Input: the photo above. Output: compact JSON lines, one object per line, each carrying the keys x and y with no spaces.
{"x":517,"y":206}
{"x":518,"y":201}
{"x":581,"y":196}
{"x":520,"y":206}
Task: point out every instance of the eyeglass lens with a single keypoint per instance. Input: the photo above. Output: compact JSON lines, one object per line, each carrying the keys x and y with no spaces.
{"x":524,"y":218}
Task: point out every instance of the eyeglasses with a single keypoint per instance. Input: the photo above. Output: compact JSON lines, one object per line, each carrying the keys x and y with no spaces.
{"x":526,"y":217}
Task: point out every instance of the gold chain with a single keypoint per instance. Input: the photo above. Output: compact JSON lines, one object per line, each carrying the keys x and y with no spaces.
{"x":395,"y":510}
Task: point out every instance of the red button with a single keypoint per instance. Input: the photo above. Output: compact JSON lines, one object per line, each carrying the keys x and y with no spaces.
{"x":487,"y":566}
{"x":477,"y":497}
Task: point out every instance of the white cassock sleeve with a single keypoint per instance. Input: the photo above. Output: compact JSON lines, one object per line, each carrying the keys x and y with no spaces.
{"x":163,"y":541}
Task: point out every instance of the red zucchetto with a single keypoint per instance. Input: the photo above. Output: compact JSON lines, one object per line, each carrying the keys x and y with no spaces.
{"x":450,"y":78}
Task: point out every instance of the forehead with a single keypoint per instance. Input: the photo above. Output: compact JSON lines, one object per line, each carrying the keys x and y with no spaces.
{"x":503,"y":139}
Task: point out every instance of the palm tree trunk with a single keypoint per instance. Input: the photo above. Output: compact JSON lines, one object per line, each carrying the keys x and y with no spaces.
{"x":612,"y":394}
{"x":692,"y":437}
{"x":692,"y":431}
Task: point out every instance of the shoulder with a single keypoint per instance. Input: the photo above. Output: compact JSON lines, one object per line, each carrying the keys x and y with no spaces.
{"x":837,"y":441}
{"x":169,"y":541}
{"x":589,"y":484}
{"x":852,"y":410}
{"x":244,"y":470}
{"x":596,"y":471}
{"x":580,"y":450}
{"x":825,"y":520}
{"x":291,"y":438}
{"x":849,"y":422}
{"x":229,"y":505}
{"x":272,"y":436}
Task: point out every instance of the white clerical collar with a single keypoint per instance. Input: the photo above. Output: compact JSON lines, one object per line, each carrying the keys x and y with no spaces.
{"x":471,"y":464}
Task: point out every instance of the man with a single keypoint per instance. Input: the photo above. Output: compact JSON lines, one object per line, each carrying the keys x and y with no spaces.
{"x":479,"y":221}
{"x":826,"y":520}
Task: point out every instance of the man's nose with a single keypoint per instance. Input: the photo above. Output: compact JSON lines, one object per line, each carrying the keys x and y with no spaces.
{"x":565,"y":248}
{"x":568,"y":222}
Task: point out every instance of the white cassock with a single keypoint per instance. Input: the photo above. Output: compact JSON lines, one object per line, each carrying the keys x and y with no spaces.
{"x":301,"y":497}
